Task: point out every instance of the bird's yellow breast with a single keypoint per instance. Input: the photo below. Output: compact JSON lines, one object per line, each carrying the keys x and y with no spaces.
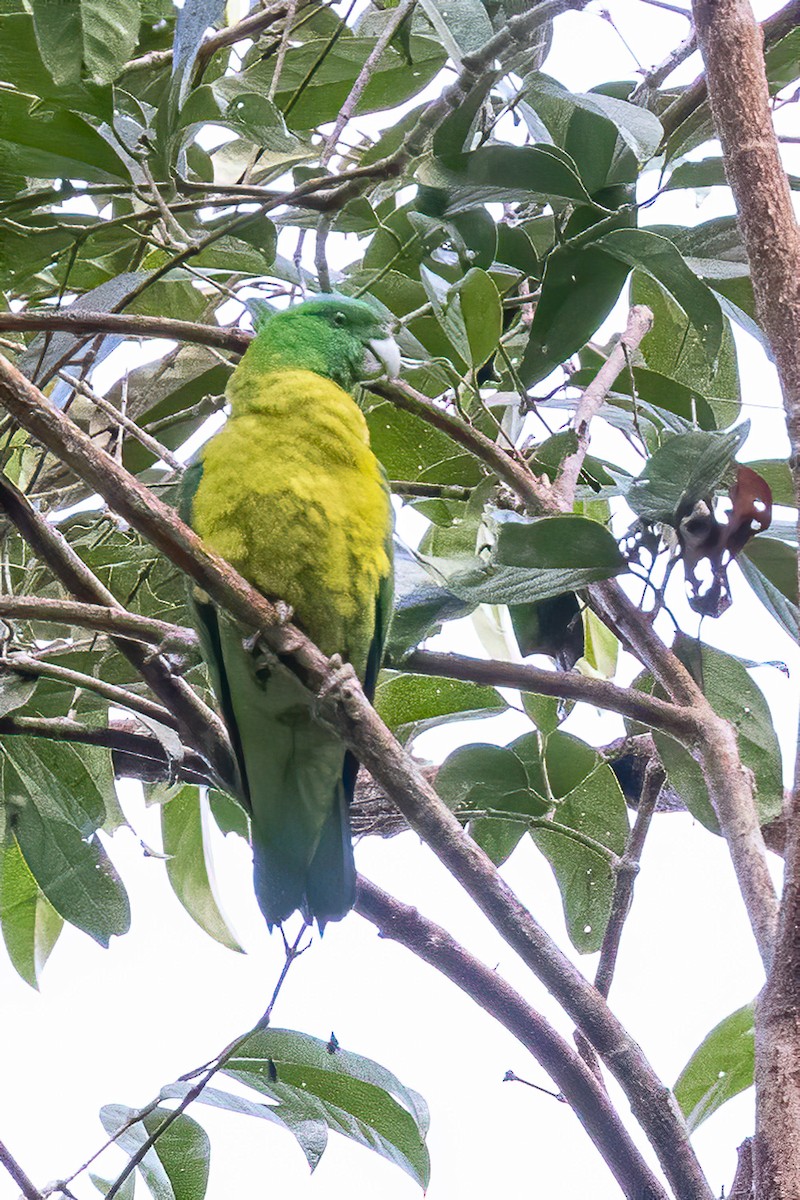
{"x":294,"y":498}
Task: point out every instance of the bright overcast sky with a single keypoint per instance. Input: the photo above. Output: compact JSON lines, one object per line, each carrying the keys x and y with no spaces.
{"x":113,"y":1026}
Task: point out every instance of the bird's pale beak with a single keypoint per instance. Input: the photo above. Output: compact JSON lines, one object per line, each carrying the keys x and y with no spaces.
{"x":387,"y":352}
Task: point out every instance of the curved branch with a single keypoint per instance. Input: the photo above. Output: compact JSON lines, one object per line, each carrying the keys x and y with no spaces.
{"x":200,"y":727}
{"x":679,"y":722}
{"x":65,"y":320}
{"x":341,"y":702}
{"x":99,"y":617}
{"x":134,"y":755}
{"x":29,"y":665}
{"x":582,"y":1091}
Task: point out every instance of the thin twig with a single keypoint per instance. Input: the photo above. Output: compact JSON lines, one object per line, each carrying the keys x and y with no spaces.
{"x":98,"y":617}
{"x":292,"y":953}
{"x":653,"y":79}
{"x":28,"y":1189}
{"x":566,"y":685}
{"x":29,"y":665}
{"x":395,"y":20}
{"x":145,"y":439}
{"x":654,"y":779}
{"x":640,"y":321}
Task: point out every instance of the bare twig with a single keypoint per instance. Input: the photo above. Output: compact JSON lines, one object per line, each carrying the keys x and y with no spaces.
{"x":640,"y":321}
{"x":28,"y":1189}
{"x":566,"y":685}
{"x":293,"y":952}
{"x":30,"y":666}
{"x":99,"y":617}
{"x":395,"y":20}
{"x":577,"y":1085}
{"x":652,"y":81}
{"x":249,"y":27}
{"x":140,"y":435}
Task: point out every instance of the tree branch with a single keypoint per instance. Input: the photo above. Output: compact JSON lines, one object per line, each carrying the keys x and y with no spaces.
{"x":773,"y":29}
{"x":654,"y":779}
{"x":134,"y":755}
{"x":566,"y":685}
{"x":28,"y":1189}
{"x":29,"y":665}
{"x":341,"y":702}
{"x":200,"y":726}
{"x":640,"y":322}
{"x":588,"y":1100}
{"x":104,"y":620}
{"x":66,"y":320}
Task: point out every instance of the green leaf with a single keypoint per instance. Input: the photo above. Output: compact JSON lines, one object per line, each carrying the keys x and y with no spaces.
{"x":176,"y":1167}
{"x":687,"y":468}
{"x":48,"y":65}
{"x":420,"y":605}
{"x":311,"y":1133}
{"x":29,"y":923}
{"x":316,"y":85}
{"x":56,"y":796}
{"x":503,"y":174}
{"x":734,"y":696}
{"x":15,"y":692}
{"x":579,"y":289}
{"x":551,"y":627}
{"x":45,"y":142}
{"x":596,"y":808}
{"x":479,"y":777}
{"x":101,"y":33}
{"x":660,"y":259}
{"x":608,"y":138}
{"x":778,"y":475}
{"x":75,"y":874}
{"x":482,"y":314}
{"x":462,"y":25}
{"x":770,"y":567}
{"x":353,"y":1095}
{"x":228,"y":814}
{"x":673,"y":348}
{"x":126,"y":1192}
{"x":409,"y":704}
{"x":721,"y":1067}
{"x":184,"y":820}
{"x":110,"y":33}
{"x":412,"y":450}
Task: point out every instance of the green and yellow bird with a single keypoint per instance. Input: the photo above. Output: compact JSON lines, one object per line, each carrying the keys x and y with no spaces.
{"x":291,"y":495}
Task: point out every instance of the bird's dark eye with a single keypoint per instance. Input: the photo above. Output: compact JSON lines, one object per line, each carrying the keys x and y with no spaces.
{"x":339,"y":318}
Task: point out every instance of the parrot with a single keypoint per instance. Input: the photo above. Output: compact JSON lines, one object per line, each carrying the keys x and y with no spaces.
{"x":290,"y":493}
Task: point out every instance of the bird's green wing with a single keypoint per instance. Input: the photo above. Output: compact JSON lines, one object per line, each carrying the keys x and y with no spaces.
{"x":332,"y":871}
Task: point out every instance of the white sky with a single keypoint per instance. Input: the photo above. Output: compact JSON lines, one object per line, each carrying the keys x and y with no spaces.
{"x":113,"y":1026}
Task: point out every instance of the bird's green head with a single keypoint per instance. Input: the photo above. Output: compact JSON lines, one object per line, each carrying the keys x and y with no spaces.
{"x":336,"y":336}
